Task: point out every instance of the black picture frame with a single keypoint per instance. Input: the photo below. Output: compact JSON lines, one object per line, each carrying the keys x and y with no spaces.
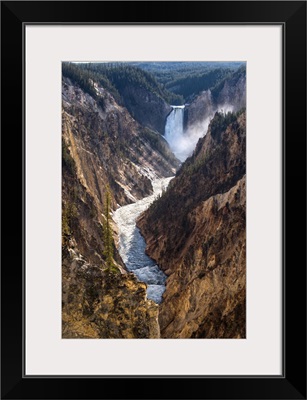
{"x":292,"y":16}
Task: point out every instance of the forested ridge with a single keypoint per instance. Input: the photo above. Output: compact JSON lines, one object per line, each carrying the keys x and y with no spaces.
{"x":115,"y":77}
{"x":175,"y":86}
{"x":190,"y":78}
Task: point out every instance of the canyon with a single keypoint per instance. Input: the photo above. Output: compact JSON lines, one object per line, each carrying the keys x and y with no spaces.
{"x":103,"y":150}
{"x":153,"y":210}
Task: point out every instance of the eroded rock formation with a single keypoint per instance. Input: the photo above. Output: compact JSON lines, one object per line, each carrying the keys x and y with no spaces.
{"x":105,"y":153}
{"x":229,"y":95}
{"x":100,"y":304}
{"x":196,"y":233}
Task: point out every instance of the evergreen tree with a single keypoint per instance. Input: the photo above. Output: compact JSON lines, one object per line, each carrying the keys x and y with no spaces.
{"x":107,"y":232}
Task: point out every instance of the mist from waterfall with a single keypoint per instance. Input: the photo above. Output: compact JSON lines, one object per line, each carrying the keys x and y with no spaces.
{"x":183,"y":142}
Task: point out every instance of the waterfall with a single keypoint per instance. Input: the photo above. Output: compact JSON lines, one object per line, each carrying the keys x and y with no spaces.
{"x":183,"y":142}
{"x":174,"y":131}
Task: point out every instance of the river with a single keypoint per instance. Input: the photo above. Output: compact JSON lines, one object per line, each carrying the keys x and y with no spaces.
{"x":132,"y":244}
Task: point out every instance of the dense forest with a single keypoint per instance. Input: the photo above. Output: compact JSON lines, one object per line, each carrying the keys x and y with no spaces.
{"x":166,"y":72}
{"x":190,"y":78}
{"x":176,"y":85}
{"x":115,"y":77}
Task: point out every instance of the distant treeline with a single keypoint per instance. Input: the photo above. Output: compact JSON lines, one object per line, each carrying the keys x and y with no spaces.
{"x":115,"y":77}
{"x":166,"y":72}
{"x":175,"y":86}
{"x":189,"y":85}
{"x":190,"y":78}
{"x":123,"y":74}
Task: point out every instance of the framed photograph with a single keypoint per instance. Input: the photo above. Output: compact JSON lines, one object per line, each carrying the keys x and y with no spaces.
{"x":163,"y":151}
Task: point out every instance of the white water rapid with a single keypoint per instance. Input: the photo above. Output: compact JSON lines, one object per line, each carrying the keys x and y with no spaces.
{"x":132,"y":244}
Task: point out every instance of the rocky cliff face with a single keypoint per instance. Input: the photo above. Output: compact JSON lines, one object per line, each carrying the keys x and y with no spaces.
{"x":229,"y":95}
{"x":108,"y":145}
{"x":231,"y":92}
{"x":105,"y":152}
{"x":146,"y":107}
{"x":99,"y":304}
{"x":196,"y":233}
